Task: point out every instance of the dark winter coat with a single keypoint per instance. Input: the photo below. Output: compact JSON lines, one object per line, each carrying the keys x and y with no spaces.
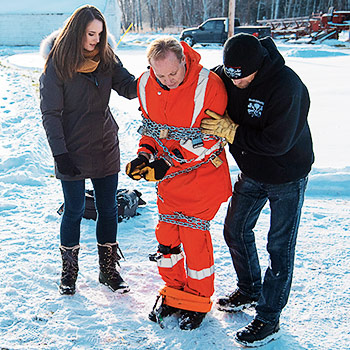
{"x":273,"y":142}
{"x":77,"y":118}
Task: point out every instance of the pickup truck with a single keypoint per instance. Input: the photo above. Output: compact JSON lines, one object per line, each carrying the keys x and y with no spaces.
{"x":215,"y":31}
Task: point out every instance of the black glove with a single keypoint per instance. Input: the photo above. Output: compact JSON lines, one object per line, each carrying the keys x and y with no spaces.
{"x":134,"y":167}
{"x":155,"y":171}
{"x":65,"y":165}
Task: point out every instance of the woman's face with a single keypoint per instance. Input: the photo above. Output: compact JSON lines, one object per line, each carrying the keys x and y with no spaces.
{"x":92,"y":35}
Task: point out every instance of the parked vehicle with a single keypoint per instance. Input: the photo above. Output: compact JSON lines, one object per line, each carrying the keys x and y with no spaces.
{"x":215,"y":31}
{"x":317,"y":27}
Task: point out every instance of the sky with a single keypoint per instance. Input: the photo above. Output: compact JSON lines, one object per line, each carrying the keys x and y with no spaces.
{"x":49,"y":6}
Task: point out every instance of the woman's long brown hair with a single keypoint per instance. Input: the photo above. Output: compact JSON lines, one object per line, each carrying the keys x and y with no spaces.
{"x":67,"y":51}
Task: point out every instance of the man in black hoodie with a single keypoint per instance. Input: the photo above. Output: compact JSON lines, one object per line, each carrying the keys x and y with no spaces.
{"x":269,"y":137}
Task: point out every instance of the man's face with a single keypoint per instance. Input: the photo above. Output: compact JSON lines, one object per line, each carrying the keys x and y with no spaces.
{"x":244,"y":82}
{"x":169,"y":70}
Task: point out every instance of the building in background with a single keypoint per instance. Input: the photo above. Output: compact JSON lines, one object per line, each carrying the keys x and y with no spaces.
{"x":24,"y":22}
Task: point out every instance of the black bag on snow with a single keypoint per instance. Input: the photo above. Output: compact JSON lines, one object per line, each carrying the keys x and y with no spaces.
{"x":128,"y":202}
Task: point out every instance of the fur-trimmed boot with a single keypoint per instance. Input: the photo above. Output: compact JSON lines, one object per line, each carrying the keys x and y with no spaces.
{"x":70,"y":269}
{"x":109,"y":276}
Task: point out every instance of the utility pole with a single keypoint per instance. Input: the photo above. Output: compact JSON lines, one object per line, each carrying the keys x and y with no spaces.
{"x":231,"y":17}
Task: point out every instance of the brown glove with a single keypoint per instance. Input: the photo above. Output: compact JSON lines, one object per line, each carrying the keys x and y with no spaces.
{"x":220,"y":125}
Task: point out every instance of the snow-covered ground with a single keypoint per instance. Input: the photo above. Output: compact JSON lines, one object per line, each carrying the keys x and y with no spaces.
{"x":32,"y":313}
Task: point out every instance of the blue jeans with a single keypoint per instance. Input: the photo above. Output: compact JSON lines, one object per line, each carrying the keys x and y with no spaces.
{"x":248,"y":199}
{"x":74,"y":206}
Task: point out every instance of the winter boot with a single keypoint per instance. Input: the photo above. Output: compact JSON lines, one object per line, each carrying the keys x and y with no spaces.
{"x":190,"y":319}
{"x":157,"y":314}
{"x":70,"y":269}
{"x":109,"y":276}
{"x":257,"y":333}
{"x":235,"y":302}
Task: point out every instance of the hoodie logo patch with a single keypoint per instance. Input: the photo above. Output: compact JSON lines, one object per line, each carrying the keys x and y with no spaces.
{"x":255,"y":108}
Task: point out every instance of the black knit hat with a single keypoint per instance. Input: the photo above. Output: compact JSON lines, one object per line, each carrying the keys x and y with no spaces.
{"x":243,"y":55}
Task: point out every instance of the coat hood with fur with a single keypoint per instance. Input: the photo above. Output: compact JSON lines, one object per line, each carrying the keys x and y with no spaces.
{"x":47,"y":44}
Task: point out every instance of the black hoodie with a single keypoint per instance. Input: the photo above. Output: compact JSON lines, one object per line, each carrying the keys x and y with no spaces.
{"x":273,"y":142}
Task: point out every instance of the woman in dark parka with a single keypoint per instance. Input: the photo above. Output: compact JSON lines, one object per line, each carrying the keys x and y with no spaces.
{"x":80,"y":71}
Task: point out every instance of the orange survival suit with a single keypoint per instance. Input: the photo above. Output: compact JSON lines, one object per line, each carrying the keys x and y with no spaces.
{"x":196,"y":184}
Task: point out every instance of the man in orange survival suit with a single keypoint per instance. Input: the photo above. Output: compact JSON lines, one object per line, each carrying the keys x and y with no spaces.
{"x":191,"y":170}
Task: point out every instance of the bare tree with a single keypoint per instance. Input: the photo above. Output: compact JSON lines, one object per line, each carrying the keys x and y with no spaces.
{"x":159,"y":14}
{"x":205,"y":9}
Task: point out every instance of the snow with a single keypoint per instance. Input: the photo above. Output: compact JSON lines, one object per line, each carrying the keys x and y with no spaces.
{"x":32,"y":313}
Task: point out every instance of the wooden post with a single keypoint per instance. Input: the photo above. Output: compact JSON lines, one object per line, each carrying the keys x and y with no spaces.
{"x":231,"y":17}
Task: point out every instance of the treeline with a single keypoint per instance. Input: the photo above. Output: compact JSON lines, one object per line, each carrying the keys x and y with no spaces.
{"x":162,"y":14}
